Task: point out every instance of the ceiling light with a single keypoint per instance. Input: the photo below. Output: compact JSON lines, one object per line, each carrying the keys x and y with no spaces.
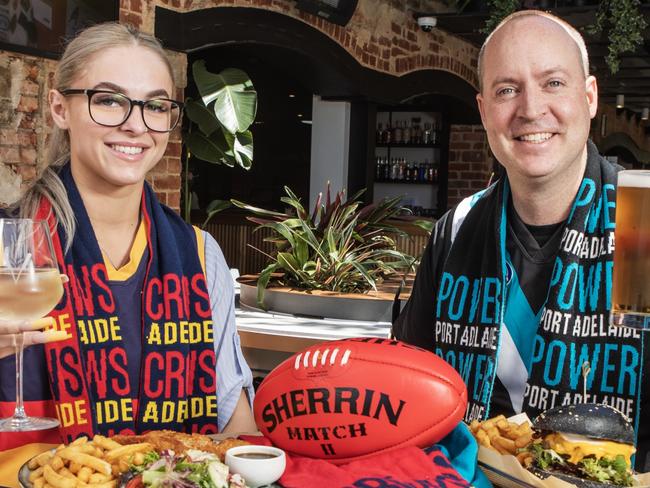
{"x":620,"y":101}
{"x":291,"y":95}
{"x":299,"y":115}
{"x":645,"y":114}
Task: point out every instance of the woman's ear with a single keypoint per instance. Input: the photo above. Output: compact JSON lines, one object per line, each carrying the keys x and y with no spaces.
{"x":58,"y":109}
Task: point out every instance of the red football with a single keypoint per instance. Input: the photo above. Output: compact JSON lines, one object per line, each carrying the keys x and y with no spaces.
{"x":349,"y":399}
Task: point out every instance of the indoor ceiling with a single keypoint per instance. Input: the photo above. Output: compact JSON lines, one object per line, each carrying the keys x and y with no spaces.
{"x":632,"y":78}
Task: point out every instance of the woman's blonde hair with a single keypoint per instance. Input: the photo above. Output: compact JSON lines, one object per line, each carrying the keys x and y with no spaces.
{"x":78,"y":53}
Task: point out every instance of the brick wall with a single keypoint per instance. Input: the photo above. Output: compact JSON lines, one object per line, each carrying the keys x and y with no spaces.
{"x":470,"y":164}
{"x":621,"y":121}
{"x":382,"y":35}
{"x":24,"y":116}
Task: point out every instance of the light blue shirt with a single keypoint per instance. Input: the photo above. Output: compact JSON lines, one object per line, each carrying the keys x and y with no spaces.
{"x":233,"y":372}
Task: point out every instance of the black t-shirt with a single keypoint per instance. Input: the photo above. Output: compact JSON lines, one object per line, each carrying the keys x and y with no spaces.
{"x":531,"y":253}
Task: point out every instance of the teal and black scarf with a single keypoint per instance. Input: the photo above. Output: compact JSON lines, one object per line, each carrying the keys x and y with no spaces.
{"x":573,"y":327}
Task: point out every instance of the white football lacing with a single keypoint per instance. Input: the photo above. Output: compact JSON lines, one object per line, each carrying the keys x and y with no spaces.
{"x":323,"y":356}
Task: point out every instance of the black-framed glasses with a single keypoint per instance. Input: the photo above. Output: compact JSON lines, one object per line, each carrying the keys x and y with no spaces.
{"x":112,"y":109}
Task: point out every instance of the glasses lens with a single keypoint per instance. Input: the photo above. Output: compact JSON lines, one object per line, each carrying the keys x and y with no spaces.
{"x":109,"y":108}
{"x":161,"y":115}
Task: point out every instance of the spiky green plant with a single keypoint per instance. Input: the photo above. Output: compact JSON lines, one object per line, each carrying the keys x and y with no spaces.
{"x":343,"y":246}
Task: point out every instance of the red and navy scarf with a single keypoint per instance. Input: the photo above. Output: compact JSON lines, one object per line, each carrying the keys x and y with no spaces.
{"x":88,"y":372}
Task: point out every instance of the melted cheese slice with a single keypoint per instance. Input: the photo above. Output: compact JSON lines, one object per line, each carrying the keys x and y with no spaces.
{"x":578,"y":446}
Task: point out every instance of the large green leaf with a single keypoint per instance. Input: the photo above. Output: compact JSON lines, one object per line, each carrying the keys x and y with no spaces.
{"x":235,"y":100}
{"x":213,"y":208}
{"x":243,"y":149}
{"x":263,"y":281}
{"x":200,"y":115}
{"x":256,"y":210}
{"x":205,"y":148}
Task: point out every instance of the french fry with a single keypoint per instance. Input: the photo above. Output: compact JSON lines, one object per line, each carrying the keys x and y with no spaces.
{"x":122,"y":451}
{"x":524,"y":440}
{"x":123,"y":465}
{"x":506,"y":444}
{"x":36,"y":473}
{"x":74,"y":467}
{"x":505,"y":437}
{"x":57,"y":480}
{"x":525,"y":458}
{"x":105,"y":443}
{"x":84,"y":474}
{"x":107,"y":484}
{"x":44,"y":458}
{"x":138,"y":458}
{"x":66,"y":472}
{"x":56,"y":463}
{"x":79,"y":441}
{"x":38,"y":482}
{"x":33,"y":464}
{"x":83,"y":459}
{"x":99,"y":478}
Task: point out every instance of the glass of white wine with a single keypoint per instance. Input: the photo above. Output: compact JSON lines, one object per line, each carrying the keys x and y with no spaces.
{"x":30,"y":287}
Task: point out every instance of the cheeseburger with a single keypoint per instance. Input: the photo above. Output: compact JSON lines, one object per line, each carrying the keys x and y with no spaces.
{"x":587,"y":445}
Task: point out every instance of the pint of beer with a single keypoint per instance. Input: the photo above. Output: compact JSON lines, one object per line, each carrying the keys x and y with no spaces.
{"x":631,"y":283}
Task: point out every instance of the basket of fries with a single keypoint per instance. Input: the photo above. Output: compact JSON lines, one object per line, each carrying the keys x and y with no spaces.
{"x":504,"y":458}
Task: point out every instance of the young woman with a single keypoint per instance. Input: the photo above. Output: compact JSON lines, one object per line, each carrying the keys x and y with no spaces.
{"x":148,"y":309}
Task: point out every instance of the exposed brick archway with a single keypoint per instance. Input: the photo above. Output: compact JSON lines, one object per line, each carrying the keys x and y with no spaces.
{"x":380,"y":36}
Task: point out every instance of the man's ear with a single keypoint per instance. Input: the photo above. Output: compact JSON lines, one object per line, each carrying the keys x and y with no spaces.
{"x":591,"y":88}
{"x":479,"y":101}
{"x":58,"y":109}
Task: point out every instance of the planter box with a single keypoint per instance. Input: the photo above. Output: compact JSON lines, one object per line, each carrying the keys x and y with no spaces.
{"x":374,"y":306}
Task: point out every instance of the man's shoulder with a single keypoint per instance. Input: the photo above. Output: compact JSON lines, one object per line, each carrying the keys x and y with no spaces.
{"x":459,"y":213}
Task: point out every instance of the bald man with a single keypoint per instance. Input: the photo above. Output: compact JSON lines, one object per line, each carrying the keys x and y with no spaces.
{"x":514,"y":288}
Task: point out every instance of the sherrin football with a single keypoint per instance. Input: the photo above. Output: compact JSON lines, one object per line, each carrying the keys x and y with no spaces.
{"x":349,"y":399}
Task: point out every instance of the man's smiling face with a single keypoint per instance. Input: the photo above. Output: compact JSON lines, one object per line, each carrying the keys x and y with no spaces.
{"x":536,"y":102}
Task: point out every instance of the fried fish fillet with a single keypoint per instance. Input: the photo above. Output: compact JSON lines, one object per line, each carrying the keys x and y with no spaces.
{"x":180,"y":442}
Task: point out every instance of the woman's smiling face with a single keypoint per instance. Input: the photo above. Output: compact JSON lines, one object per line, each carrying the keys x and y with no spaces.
{"x":114,"y":157}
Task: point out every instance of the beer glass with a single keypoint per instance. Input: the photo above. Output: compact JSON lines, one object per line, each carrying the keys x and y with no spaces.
{"x":30,"y":287}
{"x":631,"y":280}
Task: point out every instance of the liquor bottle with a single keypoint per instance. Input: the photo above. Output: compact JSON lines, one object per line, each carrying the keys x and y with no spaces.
{"x":380,"y":133}
{"x":397,"y":133}
{"x":434,"y":132}
{"x":416,"y":133}
{"x":406,"y":133}
{"x":422,"y":169}
{"x":426,"y":139}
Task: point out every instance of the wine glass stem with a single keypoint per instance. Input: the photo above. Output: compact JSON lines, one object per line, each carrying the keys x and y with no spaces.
{"x":19,"y":413}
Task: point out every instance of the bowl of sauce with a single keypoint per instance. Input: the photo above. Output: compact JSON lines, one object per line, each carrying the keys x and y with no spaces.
{"x":258,"y":465}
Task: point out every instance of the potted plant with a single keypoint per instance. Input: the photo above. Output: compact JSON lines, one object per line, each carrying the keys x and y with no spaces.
{"x":217,"y":125}
{"x":344,"y":250}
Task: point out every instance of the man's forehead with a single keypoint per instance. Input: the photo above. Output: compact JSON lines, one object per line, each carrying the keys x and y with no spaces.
{"x":528,"y":28}
{"x":524,"y":31}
